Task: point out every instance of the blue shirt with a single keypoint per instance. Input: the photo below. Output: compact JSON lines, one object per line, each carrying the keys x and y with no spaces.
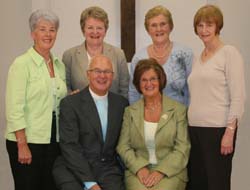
{"x":177,"y":68}
{"x":102,"y":108}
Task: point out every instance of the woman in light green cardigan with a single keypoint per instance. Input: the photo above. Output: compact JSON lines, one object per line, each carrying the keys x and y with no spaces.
{"x":35,"y":87}
{"x":154,"y":143}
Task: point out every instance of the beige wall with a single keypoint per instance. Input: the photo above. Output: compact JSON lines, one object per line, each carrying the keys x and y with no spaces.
{"x":236,"y":31}
{"x":15,"y":39}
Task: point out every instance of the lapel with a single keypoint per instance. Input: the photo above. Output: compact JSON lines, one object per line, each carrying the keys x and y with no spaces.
{"x":91,"y":112}
{"x":83,"y":59}
{"x":167,"y":112}
{"x":137,"y":114}
{"x":111,"y":125}
{"x":106,"y":49}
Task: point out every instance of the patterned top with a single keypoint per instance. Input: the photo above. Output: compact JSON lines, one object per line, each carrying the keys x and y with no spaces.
{"x":177,"y":67}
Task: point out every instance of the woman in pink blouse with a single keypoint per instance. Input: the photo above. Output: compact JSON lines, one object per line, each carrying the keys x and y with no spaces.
{"x":217,"y":94}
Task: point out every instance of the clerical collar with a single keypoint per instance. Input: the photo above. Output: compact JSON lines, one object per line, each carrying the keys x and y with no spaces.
{"x":97,"y":97}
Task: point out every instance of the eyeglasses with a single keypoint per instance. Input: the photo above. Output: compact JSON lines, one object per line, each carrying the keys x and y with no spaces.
{"x":99,"y":71}
{"x":151,"y":80}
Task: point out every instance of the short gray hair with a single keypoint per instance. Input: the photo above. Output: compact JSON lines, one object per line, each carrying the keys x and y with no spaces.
{"x":47,"y":15}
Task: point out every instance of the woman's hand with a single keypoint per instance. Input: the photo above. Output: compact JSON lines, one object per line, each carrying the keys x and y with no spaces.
{"x":154,"y":178}
{"x":143,"y":174}
{"x":24,"y":154}
{"x":74,"y":92}
{"x":227,"y":142}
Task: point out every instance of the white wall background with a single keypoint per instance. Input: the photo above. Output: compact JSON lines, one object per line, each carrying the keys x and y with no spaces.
{"x":15,"y":39}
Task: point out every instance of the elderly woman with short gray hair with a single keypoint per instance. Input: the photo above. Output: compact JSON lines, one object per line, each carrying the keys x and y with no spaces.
{"x":35,"y":86}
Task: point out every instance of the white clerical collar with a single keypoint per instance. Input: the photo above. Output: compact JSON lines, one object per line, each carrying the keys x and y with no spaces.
{"x":97,"y":97}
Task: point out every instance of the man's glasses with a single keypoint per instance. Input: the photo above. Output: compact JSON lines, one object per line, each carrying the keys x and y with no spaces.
{"x":99,"y":71}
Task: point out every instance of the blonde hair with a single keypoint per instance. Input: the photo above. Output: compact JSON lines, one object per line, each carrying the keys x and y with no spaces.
{"x":159,"y":10}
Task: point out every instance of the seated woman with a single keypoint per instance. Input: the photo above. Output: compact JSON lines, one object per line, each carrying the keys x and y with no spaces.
{"x":154,"y":143}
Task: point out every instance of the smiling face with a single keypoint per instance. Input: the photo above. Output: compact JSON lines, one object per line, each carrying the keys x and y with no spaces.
{"x":149,"y":84}
{"x":159,"y":29}
{"x":44,"y":36}
{"x":100,"y":75}
{"x":94,"y":31}
{"x":206,"y":31}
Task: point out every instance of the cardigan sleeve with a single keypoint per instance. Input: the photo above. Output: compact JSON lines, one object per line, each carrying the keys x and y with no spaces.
{"x":16,"y":96}
{"x":236,"y":84}
{"x":67,"y":60}
{"x":123,"y":74}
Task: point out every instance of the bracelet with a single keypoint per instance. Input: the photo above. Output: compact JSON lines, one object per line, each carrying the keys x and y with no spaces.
{"x":231,"y":128}
{"x":21,"y":140}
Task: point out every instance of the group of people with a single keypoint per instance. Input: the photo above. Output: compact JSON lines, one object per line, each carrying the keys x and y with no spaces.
{"x":87,"y":123}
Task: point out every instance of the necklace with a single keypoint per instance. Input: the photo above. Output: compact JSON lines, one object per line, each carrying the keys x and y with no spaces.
{"x":153,"y":107}
{"x":209,"y":52}
{"x":161,"y":58}
{"x":50,"y":67}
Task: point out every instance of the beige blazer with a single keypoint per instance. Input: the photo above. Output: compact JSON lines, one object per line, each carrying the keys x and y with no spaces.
{"x":76,"y":64}
{"x":171,"y":139}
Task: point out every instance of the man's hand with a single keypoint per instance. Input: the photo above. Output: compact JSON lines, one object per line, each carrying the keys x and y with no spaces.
{"x":95,"y":187}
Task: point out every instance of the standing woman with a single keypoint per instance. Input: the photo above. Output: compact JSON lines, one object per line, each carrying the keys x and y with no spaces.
{"x":175,"y":59}
{"x":35,"y":86}
{"x":94,"y":25}
{"x":217,"y":91}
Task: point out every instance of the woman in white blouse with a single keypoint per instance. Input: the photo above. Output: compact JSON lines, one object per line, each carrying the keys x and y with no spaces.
{"x":217,"y":91}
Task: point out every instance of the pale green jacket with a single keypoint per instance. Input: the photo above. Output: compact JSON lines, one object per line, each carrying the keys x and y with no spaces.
{"x":29,"y":99}
{"x":171,"y":139}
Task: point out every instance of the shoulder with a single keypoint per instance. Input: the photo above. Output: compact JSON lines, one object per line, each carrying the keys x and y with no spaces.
{"x":141,"y":54}
{"x":74,"y":99}
{"x":139,"y":104}
{"x":230,"y":49}
{"x":112,"y":48}
{"x":169,"y":102}
{"x":58,"y":62}
{"x":22,"y":61}
{"x":72,"y":50}
{"x":118,"y":99}
{"x":181,"y":50}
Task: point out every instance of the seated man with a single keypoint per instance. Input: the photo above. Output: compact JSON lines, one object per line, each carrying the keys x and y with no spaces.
{"x":90,"y":123}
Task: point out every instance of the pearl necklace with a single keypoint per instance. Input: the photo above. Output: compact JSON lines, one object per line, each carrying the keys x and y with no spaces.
{"x":160,"y":58}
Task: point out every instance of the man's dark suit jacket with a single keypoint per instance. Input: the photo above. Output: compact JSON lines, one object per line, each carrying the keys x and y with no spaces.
{"x":85,"y":155}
